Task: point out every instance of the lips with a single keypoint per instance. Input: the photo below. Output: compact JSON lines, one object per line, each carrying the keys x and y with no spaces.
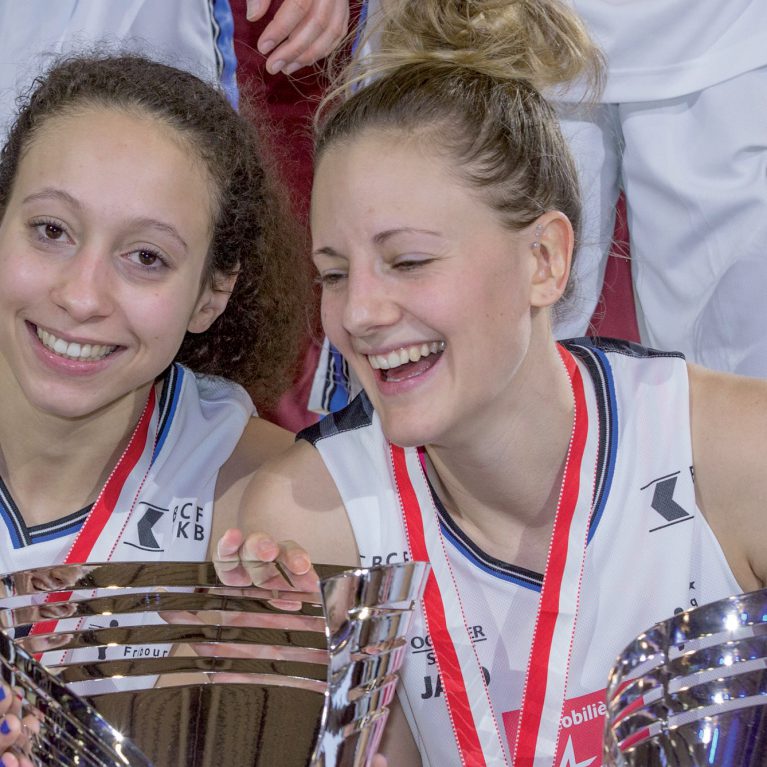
{"x":72,"y":350}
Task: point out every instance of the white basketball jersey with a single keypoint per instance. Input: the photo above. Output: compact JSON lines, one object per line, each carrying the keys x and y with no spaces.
{"x":649,"y":552}
{"x":158,"y":503}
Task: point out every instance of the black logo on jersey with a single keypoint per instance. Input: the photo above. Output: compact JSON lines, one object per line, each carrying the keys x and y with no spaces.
{"x":432,"y":686}
{"x":693,"y":603}
{"x":146,"y":540}
{"x":188,"y":519}
{"x":384,"y":559}
{"x":422,"y":645}
{"x":663,"y":501}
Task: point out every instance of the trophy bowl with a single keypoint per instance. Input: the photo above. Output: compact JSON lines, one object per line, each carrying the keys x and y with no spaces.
{"x":692,"y":690}
{"x":161,"y":664}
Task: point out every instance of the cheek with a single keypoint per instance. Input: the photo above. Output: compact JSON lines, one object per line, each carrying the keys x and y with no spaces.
{"x":19,"y":276}
{"x":331,"y":309}
{"x":160,"y":317}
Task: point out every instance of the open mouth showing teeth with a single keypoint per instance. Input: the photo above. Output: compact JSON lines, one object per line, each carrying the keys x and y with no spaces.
{"x":72,"y":350}
{"x":407,"y":362}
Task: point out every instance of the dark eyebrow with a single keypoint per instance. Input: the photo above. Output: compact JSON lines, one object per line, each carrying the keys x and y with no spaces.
{"x":381,"y":237}
{"x":65,"y":197}
{"x":378,"y":239}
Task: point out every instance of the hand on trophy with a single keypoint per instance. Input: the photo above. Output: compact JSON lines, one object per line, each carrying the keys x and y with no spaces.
{"x":15,"y":730}
{"x":258,"y":560}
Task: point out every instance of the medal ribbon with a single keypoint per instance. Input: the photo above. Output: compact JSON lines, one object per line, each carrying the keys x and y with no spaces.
{"x":468,"y":702}
{"x":105,"y":504}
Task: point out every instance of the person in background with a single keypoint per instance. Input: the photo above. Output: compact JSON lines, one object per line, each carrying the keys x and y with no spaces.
{"x":197,"y":35}
{"x":662,"y":132}
{"x":568,"y":495}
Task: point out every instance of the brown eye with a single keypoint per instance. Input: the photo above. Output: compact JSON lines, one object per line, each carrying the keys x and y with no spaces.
{"x":53,"y":232}
{"x":147,"y":258}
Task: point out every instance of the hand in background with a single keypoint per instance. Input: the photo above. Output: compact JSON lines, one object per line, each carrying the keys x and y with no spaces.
{"x":301,"y":32}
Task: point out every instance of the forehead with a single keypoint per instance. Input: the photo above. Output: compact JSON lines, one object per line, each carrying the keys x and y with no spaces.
{"x":105,"y":156}
{"x":398,"y":174}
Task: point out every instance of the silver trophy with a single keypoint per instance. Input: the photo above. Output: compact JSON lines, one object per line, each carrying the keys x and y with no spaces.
{"x":692,"y":690}
{"x":160,"y":664}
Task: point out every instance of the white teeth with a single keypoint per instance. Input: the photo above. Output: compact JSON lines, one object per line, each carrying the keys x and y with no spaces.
{"x":73,"y":350}
{"x":406,"y":354}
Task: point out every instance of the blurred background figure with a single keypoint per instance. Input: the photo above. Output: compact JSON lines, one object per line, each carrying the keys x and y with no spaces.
{"x":194,"y":34}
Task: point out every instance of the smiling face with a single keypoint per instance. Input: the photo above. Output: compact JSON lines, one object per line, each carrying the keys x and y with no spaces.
{"x":429,"y":297}
{"x":103,"y":247}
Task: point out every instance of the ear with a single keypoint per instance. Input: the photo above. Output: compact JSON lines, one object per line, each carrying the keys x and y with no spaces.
{"x":551,"y":243}
{"x":212,"y":302}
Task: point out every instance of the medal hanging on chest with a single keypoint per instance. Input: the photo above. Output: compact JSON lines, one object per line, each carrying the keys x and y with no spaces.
{"x":475,"y":726}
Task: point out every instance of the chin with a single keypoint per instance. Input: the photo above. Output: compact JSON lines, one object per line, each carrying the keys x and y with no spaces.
{"x":410,"y":435}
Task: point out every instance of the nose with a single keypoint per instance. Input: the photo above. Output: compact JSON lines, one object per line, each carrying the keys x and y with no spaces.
{"x":369,"y":303}
{"x":83,"y":285}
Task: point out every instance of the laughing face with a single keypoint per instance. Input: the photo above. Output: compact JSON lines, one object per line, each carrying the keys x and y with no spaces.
{"x":424,"y":291}
{"x":103,"y":246}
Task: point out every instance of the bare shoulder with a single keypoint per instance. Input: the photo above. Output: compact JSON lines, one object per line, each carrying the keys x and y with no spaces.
{"x":293,"y":497}
{"x":260,"y":442}
{"x":729,"y":438}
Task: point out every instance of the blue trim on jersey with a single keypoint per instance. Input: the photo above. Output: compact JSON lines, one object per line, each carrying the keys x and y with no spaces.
{"x":11,"y":522}
{"x":61,"y":533}
{"x":502,"y":574}
{"x":361,"y":23}
{"x":168,"y":403}
{"x":337,"y":392}
{"x":226,"y":60}
{"x":22,"y":536}
{"x":612,"y":415}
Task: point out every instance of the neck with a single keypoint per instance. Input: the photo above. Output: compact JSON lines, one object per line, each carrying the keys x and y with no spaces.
{"x":501,"y":484}
{"x":54,"y":466}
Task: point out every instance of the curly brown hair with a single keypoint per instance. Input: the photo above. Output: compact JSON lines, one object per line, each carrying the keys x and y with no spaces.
{"x":255,"y":342}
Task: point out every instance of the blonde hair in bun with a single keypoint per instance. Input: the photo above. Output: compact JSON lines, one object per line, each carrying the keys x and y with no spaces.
{"x":542,"y":42}
{"x":464,"y":78}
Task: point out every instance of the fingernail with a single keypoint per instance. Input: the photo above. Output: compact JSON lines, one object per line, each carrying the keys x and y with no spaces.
{"x":292,"y":68}
{"x":2,"y":692}
{"x":276,"y":67}
{"x":265,"y":549}
{"x":300,"y":565}
{"x":4,"y":728}
{"x":266,"y":46}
